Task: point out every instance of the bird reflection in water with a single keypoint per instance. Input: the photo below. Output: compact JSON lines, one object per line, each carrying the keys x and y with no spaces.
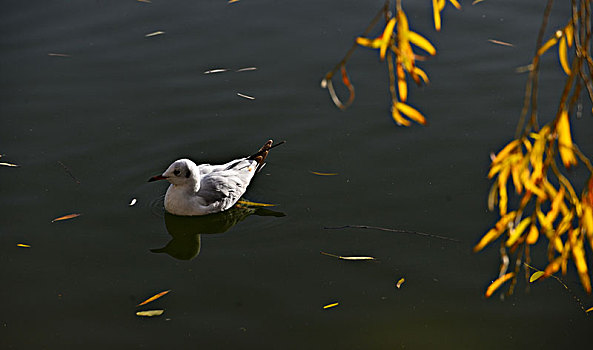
{"x":187,"y":230}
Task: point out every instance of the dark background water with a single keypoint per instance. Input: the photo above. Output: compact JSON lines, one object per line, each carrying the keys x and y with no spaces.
{"x":121,"y":106}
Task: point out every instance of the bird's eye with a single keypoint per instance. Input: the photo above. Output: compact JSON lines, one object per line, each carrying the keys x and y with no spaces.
{"x":176,"y":172}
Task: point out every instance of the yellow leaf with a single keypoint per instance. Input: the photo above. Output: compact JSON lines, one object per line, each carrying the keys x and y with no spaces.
{"x":254,"y":204}
{"x":533,"y":235}
{"x":497,"y":283}
{"x":504,"y":152}
{"x":495,"y":232}
{"x":421,"y":74}
{"x":403,"y":35}
{"x":154,"y":297}
{"x":410,"y":113}
{"x":366,"y":42}
{"x":587,"y":219}
{"x":150,"y":313}
{"x":386,"y":38}
{"x":569,"y":32}
{"x":402,"y":85}
{"x":436,"y":14}
{"x":502,"y":190}
{"x":400,"y":282}
{"x":547,"y":45}
{"x":580,"y":262}
{"x":456,"y":4}
{"x":517,"y":231}
{"x":66,"y":217}
{"x":398,"y":117}
{"x":589,"y":309}
{"x":553,"y":267}
{"x":441,"y":4}
{"x":421,"y":42}
{"x":565,"y":145}
{"x":563,"y":55}
{"x":536,"y":276}
{"x":23,"y":245}
{"x":329,"y":306}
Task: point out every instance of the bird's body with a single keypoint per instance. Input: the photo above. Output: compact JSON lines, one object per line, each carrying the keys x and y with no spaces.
{"x":205,"y":189}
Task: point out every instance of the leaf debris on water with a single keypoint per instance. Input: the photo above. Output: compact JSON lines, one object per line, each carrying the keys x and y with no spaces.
{"x":134,"y":200}
{"x":216,"y":70}
{"x":502,"y":43}
{"x":400,"y":282}
{"x":150,"y":313}
{"x":246,"y":69}
{"x":158,"y":32}
{"x":154,"y":297}
{"x":322,"y":174}
{"x":53,"y":54}
{"x":22,"y":245}
{"x":589,"y":309}
{"x":245,"y":96}
{"x":349,"y":257}
{"x":329,"y":306}
{"x":10,"y":165}
{"x":536,"y":275}
{"x":146,"y":1}
{"x":254,"y":204}
{"x":66,"y":217}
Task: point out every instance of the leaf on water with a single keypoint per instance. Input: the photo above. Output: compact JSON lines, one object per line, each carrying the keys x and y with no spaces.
{"x":10,"y":165}
{"x":563,"y":55}
{"x":502,"y":43}
{"x":353,"y":258}
{"x":255,"y":204}
{"x":150,"y":313}
{"x":66,"y":217}
{"x":456,"y":4}
{"x":421,"y":42}
{"x":589,"y":309}
{"x":232,"y":1}
{"x":322,"y":174}
{"x":497,"y":283}
{"x":154,"y":297}
{"x":245,"y":96}
{"x":329,"y":306}
{"x":58,"y":54}
{"x":146,"y":1}
{"x":536,"y":275}
{"x":23,"y":245}
{"x":477,"y":2}
{"x":217,"y":70}
{"x":411,"y":113}
{"x":158,"y":32}
{"x":134,"y":200}
{"x":400,"y":282}
{"x":246,"y":69}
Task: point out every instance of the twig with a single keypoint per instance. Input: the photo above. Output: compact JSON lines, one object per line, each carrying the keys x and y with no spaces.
{"x":392,"y":230}
{"x":69,"y":172}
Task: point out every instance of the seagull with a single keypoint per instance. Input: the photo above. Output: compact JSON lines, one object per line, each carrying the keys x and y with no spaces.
{"x":206,"y":189}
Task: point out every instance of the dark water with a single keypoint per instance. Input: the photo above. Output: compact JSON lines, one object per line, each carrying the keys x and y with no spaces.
{"x":121,"y":106}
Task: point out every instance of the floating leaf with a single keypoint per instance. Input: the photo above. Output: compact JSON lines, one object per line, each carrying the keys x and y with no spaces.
{"x":386,"y":38}
{"x":589,"y":309}
{"x":563,"y":55}
{"x":400,"y":282}
{"x":217,"y":70}
{"x":66,"y":217}
{"x":456,"y":4}
{"x":10,"y":165}
{"x":254,"y":204}
{"x":245,"y":96}
{"x":349,"y":257}
{"x":150,"y":313}
{"x":329,"y":306}
{"x":322,"y":174}
{"x":536,"y":275}
{"x":246,"y":69}
{"x":565,"y":144}
{"x":154,"y":34}
{"x":154,"y":297}
{"x":134,"y":200}
{"x":410,"y":113}
{"x":497,"y":283}
{"x":421,"y":42}
{"x":23,"y":245}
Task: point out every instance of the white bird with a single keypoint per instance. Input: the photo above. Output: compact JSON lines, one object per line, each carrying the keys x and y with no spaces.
{"x":205,"y":189}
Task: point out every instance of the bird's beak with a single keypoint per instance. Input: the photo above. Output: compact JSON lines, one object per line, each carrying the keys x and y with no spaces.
{"x":157,"y":177}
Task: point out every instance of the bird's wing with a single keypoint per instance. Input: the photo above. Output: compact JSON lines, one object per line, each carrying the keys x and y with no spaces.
{"x":216,"y":187}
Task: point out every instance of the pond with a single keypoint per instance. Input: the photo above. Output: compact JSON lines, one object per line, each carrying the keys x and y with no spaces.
{"x":98,"y":96}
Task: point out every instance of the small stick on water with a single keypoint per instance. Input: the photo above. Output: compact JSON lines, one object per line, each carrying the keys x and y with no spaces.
{"x":393,"y":230}
{"x":69,"y":172}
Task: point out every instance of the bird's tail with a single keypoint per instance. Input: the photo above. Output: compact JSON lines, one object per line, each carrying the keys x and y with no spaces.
{"x":261,"y":155}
